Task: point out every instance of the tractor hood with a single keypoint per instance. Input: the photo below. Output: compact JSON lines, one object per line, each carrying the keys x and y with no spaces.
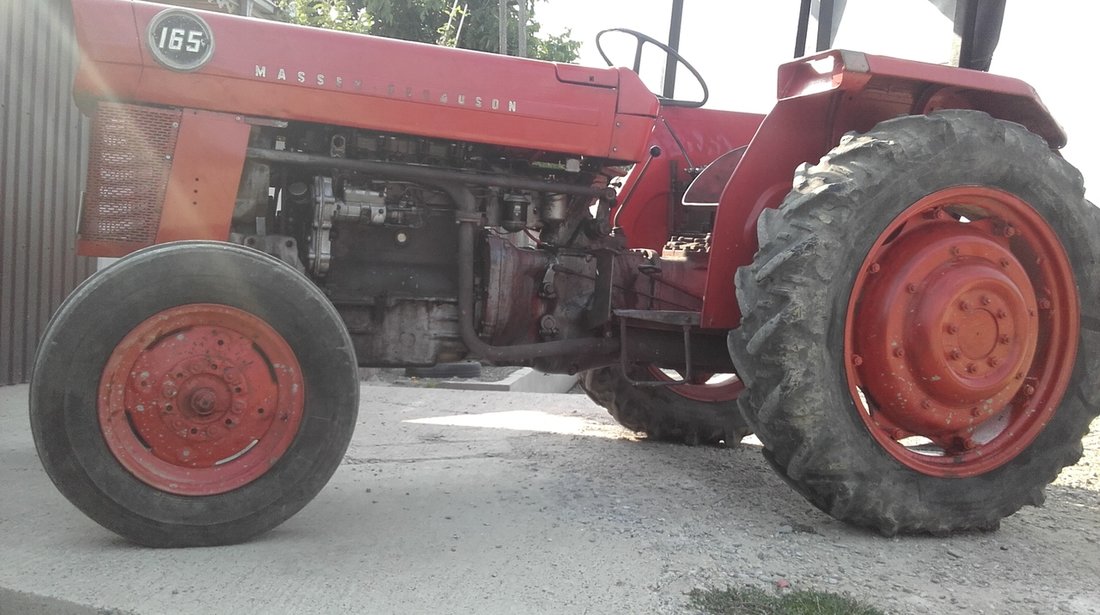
{"x":153,"y":54}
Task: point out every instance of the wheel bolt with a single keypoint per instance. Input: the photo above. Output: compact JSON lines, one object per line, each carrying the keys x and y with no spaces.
{"x":955,"y":251}
{"x":857,"y":360}
{"x":925,"y":404}
{"x":974,"y":412}
{"x":1029,"y":390}
{"x":969,"y":443}
{"x":899,"y":353}
{"x":971,"y":368}
{"x":896,"y":434}
{"x":1005,"y":339}
{"x":911,"y":288}
{"x":1044,"y":304}
{"x":986,"y":300}
{"x":955,"y":354}
{"x":875,"y":268}
{"x":1005,"y":263}
{"x":952,"y":328}
{"x":993,"y":361}
{"x":1010,"y":231}
{"x":1002,"y":314}
{"x":964,"y":306}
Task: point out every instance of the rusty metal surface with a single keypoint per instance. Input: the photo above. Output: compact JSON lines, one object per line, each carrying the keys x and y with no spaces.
{"x":42,"y":142}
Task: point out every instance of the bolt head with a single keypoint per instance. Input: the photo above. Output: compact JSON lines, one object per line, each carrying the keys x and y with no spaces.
{"x":875,"y":268}
{"x":911,"y":288}
{"x":1004,"y":339}
{"x":993,"y":361}
{"x":955,"y":354}
{"x":1029,"y":390}
{"x":857,"y":360}
{"x":952,"y":328}
{"x":964,"y":306}
{"x":971,"y":368}
{"x":986,"y":300}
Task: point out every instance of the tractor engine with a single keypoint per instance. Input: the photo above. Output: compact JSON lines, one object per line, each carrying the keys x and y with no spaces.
{"x":371,"y":218}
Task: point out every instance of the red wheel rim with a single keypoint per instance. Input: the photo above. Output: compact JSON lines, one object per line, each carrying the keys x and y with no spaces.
{"x":705,"y":386}
{"x":200,"y":399}
{"x":961,"y":331}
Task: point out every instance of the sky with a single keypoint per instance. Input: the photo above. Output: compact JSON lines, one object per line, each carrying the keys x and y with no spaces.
{"x":737,"y":44}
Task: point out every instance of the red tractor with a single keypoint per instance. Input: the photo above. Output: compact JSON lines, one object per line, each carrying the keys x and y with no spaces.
{"x":906,"y":327}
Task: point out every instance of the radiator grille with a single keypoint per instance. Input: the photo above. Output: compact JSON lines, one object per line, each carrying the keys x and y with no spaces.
{"x":128,"y":166}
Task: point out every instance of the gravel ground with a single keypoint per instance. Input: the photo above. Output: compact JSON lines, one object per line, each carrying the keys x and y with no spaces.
{"x":495,"y":503}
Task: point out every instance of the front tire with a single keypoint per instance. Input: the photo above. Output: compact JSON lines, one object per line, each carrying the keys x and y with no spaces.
{"x":193,"y":394}
{"x":911,"y":340}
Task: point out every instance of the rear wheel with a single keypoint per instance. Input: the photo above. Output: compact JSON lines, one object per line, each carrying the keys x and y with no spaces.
{"x":193,"y":394}
{"x":912,"y":342}
{"x":704,"y":412}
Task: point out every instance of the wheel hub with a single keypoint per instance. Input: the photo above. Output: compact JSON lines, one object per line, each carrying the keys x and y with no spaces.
{"x":201,"y":399}
{"x":950,"y":313}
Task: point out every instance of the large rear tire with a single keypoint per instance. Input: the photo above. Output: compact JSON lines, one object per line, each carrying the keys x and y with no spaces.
{"x":193,"y":394}
{"x":690,"y":414}
{"x":920,"y":341}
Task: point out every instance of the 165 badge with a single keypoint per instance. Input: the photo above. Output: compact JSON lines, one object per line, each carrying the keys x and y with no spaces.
{"x":180,"y":40}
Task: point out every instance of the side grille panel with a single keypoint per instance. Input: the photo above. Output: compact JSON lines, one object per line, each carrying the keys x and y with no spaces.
{"x":128,"y":166}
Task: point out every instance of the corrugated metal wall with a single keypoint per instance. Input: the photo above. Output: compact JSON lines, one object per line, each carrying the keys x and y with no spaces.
{"x":42,"y":159}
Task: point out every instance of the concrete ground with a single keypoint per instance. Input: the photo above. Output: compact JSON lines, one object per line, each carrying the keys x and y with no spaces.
{"x":490,"y":503}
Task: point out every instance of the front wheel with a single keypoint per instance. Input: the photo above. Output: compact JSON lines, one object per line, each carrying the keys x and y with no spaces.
{"x":918,"y":341}
{"x":193,"y":394}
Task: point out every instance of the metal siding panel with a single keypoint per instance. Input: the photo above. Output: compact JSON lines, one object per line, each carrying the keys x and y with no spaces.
{"x":42,"y":160}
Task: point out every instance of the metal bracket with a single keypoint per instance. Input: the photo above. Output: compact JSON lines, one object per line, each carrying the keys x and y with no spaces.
{"x":685,"y":320}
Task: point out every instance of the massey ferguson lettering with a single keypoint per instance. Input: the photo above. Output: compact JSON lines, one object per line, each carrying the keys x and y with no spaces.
{"x":390,"y":89}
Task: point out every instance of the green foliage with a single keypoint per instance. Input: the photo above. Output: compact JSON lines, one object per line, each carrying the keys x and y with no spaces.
{"x":469,"y":24}
{"x":756,"y":601}
{"x":330,"y":14}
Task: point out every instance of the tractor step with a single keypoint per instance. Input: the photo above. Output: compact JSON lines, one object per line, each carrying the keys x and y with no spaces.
{"x":679,"y":318}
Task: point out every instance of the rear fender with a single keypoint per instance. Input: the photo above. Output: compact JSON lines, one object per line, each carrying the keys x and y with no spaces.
{"x":821,"y":98}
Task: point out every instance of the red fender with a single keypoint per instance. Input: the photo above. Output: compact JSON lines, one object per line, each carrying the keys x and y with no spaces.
{"x":821,"y":98}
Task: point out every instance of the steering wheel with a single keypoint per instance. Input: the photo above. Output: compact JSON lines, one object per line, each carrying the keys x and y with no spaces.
{"x":675,"y":55}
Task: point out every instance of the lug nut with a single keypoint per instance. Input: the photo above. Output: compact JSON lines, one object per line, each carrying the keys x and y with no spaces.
{"x":993,"y":361}
{"x":986,"y":300}
{"x":971,"y":368}
{"x":899,"y":353}
{"x":952,"y":328}
{"x":955,"y":354}
{"x":857,"y":360}
{"x":1005,"y":339}
{"x":964,"y":305}
{"x":875,"y":268}
{"x":1010,"y":231}
{"x":911,"y":288}
{"x":1029,"y":390}
{"x":1002,"y":314}
{"x":974,"y":412}
{"x":1005,"y":263}
{"x":925,"y":404}
{"x":1044,"y":304}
